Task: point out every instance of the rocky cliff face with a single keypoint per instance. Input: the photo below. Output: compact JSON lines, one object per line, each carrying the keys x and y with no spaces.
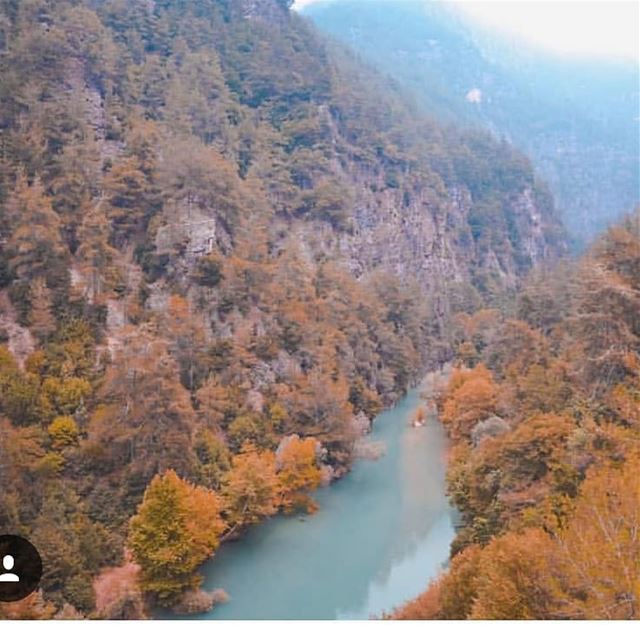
{"x":326,"y":149}
{"x":415,"y":233}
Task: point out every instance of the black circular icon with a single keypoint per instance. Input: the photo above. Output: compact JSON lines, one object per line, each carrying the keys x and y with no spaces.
{"x":20,"y":568}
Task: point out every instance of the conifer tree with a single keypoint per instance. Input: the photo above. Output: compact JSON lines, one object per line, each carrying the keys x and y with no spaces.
{"x":35,"y":230}
{"x":42,"y":320}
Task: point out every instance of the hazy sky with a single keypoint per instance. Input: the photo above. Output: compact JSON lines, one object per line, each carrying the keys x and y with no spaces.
{"x":605,"y":28}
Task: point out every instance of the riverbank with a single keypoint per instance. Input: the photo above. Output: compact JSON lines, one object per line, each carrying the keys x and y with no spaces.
{"x":381,"y":533}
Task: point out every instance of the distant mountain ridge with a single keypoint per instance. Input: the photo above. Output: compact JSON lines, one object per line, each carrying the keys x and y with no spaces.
{"x":577,"y":119}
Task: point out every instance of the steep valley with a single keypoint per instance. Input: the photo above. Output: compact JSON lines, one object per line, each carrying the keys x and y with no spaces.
{"x":225,"y":246}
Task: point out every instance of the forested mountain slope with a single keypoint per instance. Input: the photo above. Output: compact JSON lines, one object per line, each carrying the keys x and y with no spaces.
{"x":544,"y":415}
{"x":224,"y":246}
{"x":576,"y":118}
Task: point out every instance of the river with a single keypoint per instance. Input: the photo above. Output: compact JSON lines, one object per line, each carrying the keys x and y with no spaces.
{"x":381,"y":533}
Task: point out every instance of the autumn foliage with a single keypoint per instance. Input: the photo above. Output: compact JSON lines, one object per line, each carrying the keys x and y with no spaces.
{"x":472,"y":397}
{"x":547,"y":488}
{"x":298,"y":473}
{"x":179,"y":525}
{"x":186,"y":349}
{"x":176,"y":529}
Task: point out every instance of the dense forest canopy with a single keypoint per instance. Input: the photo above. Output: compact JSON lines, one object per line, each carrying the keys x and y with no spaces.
{"x":225,"y":245}
{"x":544,"y":415}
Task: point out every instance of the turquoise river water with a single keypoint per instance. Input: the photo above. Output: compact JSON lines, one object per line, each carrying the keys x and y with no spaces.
{"x":381,"y":534}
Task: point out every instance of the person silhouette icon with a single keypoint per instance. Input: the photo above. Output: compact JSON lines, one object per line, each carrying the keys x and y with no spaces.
{"x":7,"y":563}
{"x":20,"y":569}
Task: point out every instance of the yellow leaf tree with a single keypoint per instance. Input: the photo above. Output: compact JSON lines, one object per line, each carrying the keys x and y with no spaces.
{"x":298,"y":472}
{"x":177,"y":527}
